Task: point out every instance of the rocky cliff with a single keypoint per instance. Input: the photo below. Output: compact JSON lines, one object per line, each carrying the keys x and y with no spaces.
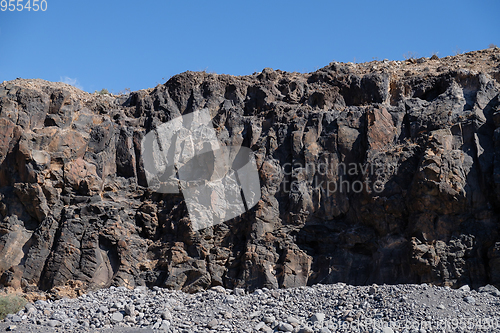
{"x":382,"y":172}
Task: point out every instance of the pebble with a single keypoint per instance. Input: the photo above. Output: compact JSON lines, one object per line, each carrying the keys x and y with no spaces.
{"x":130,"y":309}
{"x":259,"y":326}
{"x":41,"y":303}
{"x":269,"y":319}
{"x":239,"y":291}
{"x":165,"y":325}
{"x":469,"y":299}
{"x":267,"y":329}
{"x":219,"y":289}
{"x":318,"y":317}
{"x":117,"y":317}
{"x":54,"y":323}
{"x":255,"y":314}
{"x":285,"y":327}
{"x":16,"y":319}
{"x":166,"y":314}
{"x":230,"y":299}
{"x":212,"y":323}
{"x":30,"y":308}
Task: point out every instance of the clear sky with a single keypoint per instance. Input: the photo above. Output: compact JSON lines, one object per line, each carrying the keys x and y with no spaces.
{"x":139,"y":44}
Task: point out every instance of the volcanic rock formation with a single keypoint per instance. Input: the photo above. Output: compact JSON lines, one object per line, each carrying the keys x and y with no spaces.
{"x":382,"y":172}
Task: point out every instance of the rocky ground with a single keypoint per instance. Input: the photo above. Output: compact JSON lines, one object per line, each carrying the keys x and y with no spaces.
{"x":320,"y":308}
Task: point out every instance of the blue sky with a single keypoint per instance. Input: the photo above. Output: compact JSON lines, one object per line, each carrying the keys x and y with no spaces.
{"x":139,"y":44}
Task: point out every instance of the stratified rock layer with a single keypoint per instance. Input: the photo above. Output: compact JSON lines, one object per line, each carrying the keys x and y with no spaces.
{"x":384,"y":172}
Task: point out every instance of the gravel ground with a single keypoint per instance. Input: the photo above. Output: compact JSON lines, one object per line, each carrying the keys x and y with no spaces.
{"x":321,"y":308}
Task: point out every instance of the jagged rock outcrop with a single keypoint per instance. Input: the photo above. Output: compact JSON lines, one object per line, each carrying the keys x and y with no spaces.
{"x":384,"y":172}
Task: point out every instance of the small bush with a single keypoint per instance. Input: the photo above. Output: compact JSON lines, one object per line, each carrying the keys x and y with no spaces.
{"x":10,"y":304}
{"x":125,"y":91}
{"x":410,"y":55}
{"x":492,"y":46}
{"x":103,"y":91}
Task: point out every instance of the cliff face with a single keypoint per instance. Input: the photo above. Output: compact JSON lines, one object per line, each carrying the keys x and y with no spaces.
{"x":384,"y":172}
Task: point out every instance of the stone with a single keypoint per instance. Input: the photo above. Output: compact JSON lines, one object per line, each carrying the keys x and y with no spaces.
{"x":259,"y":326}
{"x":306,"y":329}
{"x":130,"y":309}
{"x":255,"y":314}
{"x":318,"y":317}
{"x":239,"y":291}
{"x":54,"y":323}
{"x":30,"y":308}
{"x":230,"y":299}
{"x":166,"y":314}
{"x":489,"y":289}
{"x":41,"y":303}
{"x":470,"y":299}
{"x":267,"y":329}
{"x":285,"y":327}
{"x":16,"y":319}
{"x":212,"y":324}
{"x":219,"y":289}
{"x":165,"y":325}
{"x":464,"y":288}
{"x":157,"y":324}
{"x":117,"y":317}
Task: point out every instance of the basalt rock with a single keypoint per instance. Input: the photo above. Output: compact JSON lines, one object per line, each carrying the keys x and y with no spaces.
{"x":383,"y":172}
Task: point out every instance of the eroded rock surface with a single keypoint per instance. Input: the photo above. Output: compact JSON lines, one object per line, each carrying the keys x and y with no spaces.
{"x":384,"y":172}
